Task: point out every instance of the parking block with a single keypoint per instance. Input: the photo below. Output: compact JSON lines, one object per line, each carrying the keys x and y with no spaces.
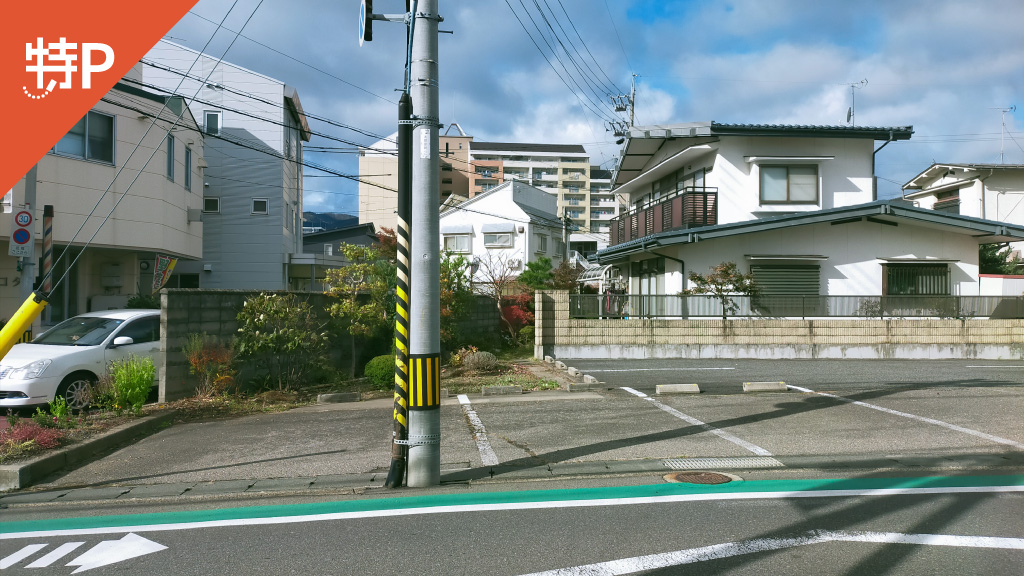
{"x":677,"y":389}
{"x":764,"y":387}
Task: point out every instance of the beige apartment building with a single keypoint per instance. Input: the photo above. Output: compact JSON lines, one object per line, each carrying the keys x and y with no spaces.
{"x":125,"y":224}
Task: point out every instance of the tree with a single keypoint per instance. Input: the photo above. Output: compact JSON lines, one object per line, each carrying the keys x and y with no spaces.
{"x":498,"y":281}
{"x":723,"y":282}
{"x":537,"y":274}
{"x":566,"y":276}
{"x":364,"y":289}
{"x":282,"y":336}
{"x":997,"y":259}
{"x":456,"y":295}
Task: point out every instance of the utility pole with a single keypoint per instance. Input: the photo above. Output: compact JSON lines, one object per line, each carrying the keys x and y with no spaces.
{"x":424,"y":466}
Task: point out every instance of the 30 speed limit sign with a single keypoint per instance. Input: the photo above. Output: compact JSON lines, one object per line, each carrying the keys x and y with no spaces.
{"x":22,"y":243}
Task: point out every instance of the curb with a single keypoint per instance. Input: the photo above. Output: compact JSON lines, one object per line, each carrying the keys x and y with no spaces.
{"x":24,"y":474}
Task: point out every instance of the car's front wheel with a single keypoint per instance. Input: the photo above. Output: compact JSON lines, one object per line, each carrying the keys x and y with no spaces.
{"x":76,"y":390}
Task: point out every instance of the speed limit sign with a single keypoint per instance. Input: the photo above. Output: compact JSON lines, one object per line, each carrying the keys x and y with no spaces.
{"x":23,"y":218}
{"x":22,"y":244}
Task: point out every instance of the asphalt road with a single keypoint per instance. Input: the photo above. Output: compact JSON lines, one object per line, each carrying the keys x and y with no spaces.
{"x":728,"y":376}
{"x":631,"y":530}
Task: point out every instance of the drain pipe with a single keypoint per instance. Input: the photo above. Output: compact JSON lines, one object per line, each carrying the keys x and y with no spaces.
{"x":991,"y":171}
{"x":874,"y":179}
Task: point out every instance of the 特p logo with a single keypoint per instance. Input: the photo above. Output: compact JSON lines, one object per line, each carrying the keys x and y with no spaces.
{"x":59,"y":58}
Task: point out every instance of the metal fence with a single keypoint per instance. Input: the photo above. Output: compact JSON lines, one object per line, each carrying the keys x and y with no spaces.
{"x":793,"y":306}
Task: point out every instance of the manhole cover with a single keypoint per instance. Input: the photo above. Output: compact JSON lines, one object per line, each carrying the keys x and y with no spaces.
{"x":698,"y":477}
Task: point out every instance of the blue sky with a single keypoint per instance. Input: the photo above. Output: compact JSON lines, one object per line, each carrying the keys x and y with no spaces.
{"x":945,"y":67}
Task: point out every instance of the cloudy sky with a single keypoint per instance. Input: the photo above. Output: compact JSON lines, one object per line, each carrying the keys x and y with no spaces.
{"x":542,"y":71}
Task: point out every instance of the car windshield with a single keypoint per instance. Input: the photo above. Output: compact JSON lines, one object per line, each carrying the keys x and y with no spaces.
{"x":80,"y":331}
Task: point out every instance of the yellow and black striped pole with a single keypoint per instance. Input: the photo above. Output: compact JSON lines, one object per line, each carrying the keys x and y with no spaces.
{"x":399,"y":448}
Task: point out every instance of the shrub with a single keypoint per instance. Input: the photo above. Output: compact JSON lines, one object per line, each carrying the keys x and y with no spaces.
{"x":211,"y":361}
{"x":459,"y":356}
{"x":283,"y":339}
{"x":380,"y":370}
{"x":143,"y":301}
{"x":26,"y":432}
{"x":131,"y":380}
{"x":526,"y":334}
{"x":480,"y":361}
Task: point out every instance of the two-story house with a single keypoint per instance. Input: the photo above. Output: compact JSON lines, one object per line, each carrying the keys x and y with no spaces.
{"x":795,"y":206}
{"x":509,"y":226}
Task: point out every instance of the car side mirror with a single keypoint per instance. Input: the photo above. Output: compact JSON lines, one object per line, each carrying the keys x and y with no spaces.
{"x":123,"y":341}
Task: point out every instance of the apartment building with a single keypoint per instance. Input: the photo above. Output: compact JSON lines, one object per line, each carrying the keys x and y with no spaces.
{"x":254,"y":127}
{"x":121,"y":184}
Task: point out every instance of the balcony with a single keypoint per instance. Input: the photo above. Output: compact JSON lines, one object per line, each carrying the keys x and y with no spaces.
{"x":691,"y":207}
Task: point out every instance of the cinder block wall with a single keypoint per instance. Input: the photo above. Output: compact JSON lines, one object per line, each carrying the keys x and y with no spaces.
{"x":559,"y":336}
{"x":187,"y":311}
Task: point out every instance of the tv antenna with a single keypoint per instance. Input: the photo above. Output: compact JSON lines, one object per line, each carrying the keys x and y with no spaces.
{"x":1002,"y":130}
{"x":850,"y":113}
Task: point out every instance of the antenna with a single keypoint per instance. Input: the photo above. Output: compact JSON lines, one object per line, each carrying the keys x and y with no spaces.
{"x":851,"y":112}
{"x":1002,"y":130}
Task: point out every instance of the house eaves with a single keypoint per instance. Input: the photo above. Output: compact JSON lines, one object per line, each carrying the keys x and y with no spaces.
{"x":291,"y":97}
{"x":886,"y":212}
{"x":916,"y":184}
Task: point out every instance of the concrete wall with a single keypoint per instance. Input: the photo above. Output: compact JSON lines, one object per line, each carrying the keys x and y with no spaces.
{"x":214,"y":312}
{"x":561,"y":337}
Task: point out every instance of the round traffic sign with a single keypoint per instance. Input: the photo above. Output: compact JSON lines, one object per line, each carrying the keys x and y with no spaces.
{"x":23,"y":218}
{"x":362,"y":21}
{"x":21,"y":236}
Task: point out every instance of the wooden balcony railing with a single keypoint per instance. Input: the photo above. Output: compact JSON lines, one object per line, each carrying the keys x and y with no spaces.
{"x":688,"y":208}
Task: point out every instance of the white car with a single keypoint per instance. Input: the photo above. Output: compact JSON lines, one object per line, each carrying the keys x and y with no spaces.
{"x":69,"y":358}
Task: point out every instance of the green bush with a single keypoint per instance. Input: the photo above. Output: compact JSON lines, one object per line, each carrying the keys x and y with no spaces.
{"x":131,"y":380}
{"x":282,"y":339}
{"x":526,"y":334}
{"x":381,"y":372}
{"x":480,"y":361}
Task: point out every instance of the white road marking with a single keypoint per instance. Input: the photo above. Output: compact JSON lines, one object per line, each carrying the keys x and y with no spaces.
{"x":503,"y":506}
{"x":1008,"y":366}
{"x":20,"y":555}
{"x":717,"y":432}
{"x":947,"y":425}
{"x":61,"y":551}
{"x":717,"y":551}
{"x":487,"y":455}
{"x":112,"y":551}
{"x":651,"y":369}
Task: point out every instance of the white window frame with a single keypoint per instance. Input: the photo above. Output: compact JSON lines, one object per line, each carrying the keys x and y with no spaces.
{"x":266,"y":210}
{"x":188,"y":168}
{"x":457,"y":237}
{"x":215,"y":200}
{"x":206,"y":122}
{"x":542,"y":243}
{"x":170,"y":157}
{"x":494,"y":240}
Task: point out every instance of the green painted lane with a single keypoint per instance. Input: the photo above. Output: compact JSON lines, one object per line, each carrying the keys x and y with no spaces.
{"x":619,"y":495}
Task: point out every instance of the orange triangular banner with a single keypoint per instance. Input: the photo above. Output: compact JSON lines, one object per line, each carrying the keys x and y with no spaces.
{"x":59,"y":58}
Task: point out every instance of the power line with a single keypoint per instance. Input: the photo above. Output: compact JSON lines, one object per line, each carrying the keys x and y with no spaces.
{"x":615,"y":88}
{"x":617,"y":37}
{"x":290,"y":57}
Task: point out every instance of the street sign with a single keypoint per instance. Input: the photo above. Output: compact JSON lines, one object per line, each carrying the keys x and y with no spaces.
{"x":22,"y":242}
{"x":365,"y":25}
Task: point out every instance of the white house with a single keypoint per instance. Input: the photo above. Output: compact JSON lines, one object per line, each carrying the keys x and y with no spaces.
{"x":795,"y":206}
{"x":991,"y":191}
{"x":513,"y":223}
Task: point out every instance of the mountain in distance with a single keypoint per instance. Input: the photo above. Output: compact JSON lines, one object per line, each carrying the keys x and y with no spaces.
{"x":328,"y":220}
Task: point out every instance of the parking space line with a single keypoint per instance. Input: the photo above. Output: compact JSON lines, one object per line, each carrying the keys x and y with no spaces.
{"x":946,"y":425}
{"x":717,"y":432}
{"x":487,"y":455}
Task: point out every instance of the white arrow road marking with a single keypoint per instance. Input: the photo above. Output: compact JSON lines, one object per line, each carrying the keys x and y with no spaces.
{"x":487,"y":455}
{"x":947,"y":425}
{"x":111,"y":551}
{"x":20,"y":555}
{"x":720,"y":433}
{"x":717,"y":551}
{"x":61,"y":551}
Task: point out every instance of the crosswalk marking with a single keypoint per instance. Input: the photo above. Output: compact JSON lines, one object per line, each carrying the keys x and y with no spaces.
{"x":60,"y":552}
{"x":20,"y":555}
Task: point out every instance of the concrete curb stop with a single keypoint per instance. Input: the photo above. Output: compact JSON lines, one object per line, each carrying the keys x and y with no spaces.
{"x":549,"y":359}
{"x":677,"y":389}
{"x":28,"y":472}
{"x":501,"y":390}
{"x":764,"y":387}
{"x":560,"y":365}
{"x":588,"y":379}
{"x":573,"y":372}
{"x":338,"y":397}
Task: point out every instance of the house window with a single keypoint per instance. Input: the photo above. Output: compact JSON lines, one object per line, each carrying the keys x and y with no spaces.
{"x":212,"y":122}
{"x":211,"y":204}
{"x":92,"y":138}
{"x":541,"y":242}
{"x":948,"y":202}
{"x":916,"y":279}
{"x":188,"y":168}
{"x":787,"y":290}
{"x":170,"y":158}
{"x":502,"y":240}
{"x":260,"y":206}
{"x":789,"y":184}
{"x":458,"y":243}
